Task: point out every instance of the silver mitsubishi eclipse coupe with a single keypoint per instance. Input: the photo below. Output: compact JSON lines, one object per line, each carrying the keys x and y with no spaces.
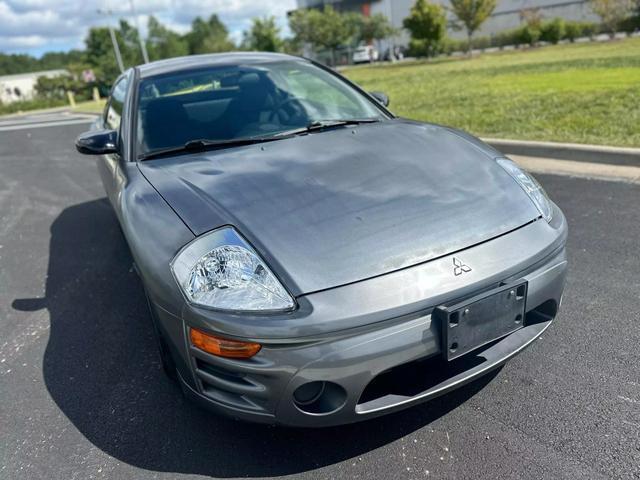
{"x":309,"y":258}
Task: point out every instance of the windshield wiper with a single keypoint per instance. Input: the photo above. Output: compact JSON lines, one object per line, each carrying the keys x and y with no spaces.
{"x":201,"y":144}
{"x":319,"y":125}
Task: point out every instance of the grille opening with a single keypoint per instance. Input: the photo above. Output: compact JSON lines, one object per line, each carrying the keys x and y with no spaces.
{"x":542,"y":313}
{"x":232,"y":399}
{"x":415,"y":377}
{"x":218,"y":373}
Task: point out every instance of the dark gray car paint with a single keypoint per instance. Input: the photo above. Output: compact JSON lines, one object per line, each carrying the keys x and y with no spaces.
{"x":338,"y":207}
{"x":158,"y":218}
{"x":392,"y":332}
{"x":389,"y":298}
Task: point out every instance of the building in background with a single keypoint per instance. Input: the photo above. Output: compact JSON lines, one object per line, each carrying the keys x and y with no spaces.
{"x":507,"y":14}
{"x":21,"y":86}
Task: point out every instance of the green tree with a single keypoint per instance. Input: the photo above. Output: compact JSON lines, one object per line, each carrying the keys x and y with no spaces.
{"x":100,"y":57}
{"x":530,"y":32}
{"x":17,"y":63}
{"x":427,"y":24}
{"x":325,"y":28}
{"x":612,"y":12}
{"x":208,"y":36}
{"x":58,"y":86}
{"x":21,"y":63}
{"x":163,"y":42}
{"x":472,"y":14}
{"x":131,"y":53}
{"x":291,"y":45}
{"x":373,"y":28}
{"x":263,"y":36}
{"x":300,"y":25}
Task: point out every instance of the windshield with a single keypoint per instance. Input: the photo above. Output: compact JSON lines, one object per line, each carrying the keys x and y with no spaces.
{"x":237,"y":102}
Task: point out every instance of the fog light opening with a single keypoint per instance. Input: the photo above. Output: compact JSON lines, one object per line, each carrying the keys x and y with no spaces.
{"x":319,"y":398}
{"x":309,"y":393}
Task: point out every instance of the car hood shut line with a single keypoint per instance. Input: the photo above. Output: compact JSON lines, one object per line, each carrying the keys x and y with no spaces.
{"x":347,"y":204}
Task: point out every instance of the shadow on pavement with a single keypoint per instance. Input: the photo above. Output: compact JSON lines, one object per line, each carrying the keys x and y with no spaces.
{"x":102,"y":370}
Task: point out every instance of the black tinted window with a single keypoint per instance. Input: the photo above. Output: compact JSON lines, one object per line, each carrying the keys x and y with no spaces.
{"x":240,"y":101}
{"x":116,"y":104}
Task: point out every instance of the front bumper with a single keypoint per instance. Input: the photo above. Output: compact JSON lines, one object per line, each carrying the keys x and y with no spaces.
{"x":387,"y":355}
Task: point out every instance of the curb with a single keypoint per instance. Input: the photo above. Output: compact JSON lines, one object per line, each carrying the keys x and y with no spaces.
{"x":568,"y":151}
{"x":38,"y":111}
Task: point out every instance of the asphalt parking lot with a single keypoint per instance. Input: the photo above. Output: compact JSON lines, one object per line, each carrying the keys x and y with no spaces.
{"x":82,"y":394}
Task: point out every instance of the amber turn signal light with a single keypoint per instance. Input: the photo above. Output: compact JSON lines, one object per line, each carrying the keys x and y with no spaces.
{"x":223,"y":347}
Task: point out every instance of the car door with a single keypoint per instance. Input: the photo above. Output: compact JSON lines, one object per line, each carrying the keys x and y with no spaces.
{"x":110,"y":166}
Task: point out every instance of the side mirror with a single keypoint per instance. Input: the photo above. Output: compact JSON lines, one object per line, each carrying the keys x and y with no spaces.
{"x":97,"y":142}
{"x":383,"y":98}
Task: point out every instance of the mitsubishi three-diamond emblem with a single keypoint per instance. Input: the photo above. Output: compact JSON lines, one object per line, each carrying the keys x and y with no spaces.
{"x":459,"y":267}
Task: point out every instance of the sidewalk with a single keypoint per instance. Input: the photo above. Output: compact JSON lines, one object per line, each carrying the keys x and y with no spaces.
{"x":576,"y":152}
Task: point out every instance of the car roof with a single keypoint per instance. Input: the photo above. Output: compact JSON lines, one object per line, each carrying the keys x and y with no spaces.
{"x":178,"y":64}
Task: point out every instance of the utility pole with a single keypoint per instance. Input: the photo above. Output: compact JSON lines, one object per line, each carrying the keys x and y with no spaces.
{"x":143,"y":47}
{"x":114,"y":41}
{"x":116,"y":48}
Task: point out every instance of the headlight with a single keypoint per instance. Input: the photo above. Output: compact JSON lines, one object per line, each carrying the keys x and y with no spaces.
{"x":221,"y":270}
{"x":530,"y":185}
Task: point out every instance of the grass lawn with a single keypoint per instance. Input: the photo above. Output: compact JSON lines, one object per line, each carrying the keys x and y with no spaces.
{"x":583,"y":93}
{"x":89,"y":107}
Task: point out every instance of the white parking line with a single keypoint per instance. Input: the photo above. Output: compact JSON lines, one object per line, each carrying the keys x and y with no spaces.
{"x":27,"y":126}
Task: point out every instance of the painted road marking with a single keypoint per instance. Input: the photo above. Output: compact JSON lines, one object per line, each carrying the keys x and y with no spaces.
{"x":29,"y":119}
{"x":28,"y":126}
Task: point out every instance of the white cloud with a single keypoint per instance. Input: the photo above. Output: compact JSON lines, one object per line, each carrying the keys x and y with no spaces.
{"x":31,"y":25}
{"x":22,"y":42}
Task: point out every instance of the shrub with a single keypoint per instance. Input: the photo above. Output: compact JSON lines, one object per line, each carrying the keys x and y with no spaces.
{"x":424,"y":48}
{"x":612,"y":13}
{"x":553,"y":31}
{"x":572,"y":30}
{"x":57,"y":87}
{"x":35,"y":104}
{"x":506,"y":37}
{"x":527,"y":35}
{"x":449,"y":45}
{"x":481,"y":43}
{"x":630,"y":24}
{"x":588,"y":29}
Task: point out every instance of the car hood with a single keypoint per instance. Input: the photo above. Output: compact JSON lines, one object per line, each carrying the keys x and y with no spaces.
{"x":336,"y":207}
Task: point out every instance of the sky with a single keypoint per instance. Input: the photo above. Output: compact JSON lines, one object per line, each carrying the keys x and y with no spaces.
{"x":39,"y":26}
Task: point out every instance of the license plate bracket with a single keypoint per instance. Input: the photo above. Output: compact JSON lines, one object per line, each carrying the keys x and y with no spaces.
{"x":482,"y":319}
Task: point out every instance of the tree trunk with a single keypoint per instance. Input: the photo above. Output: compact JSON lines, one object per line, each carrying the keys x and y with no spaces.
{"x":469,"y":35}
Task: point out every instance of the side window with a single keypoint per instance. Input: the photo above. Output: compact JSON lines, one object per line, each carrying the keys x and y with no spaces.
{"x":116,"y":104}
